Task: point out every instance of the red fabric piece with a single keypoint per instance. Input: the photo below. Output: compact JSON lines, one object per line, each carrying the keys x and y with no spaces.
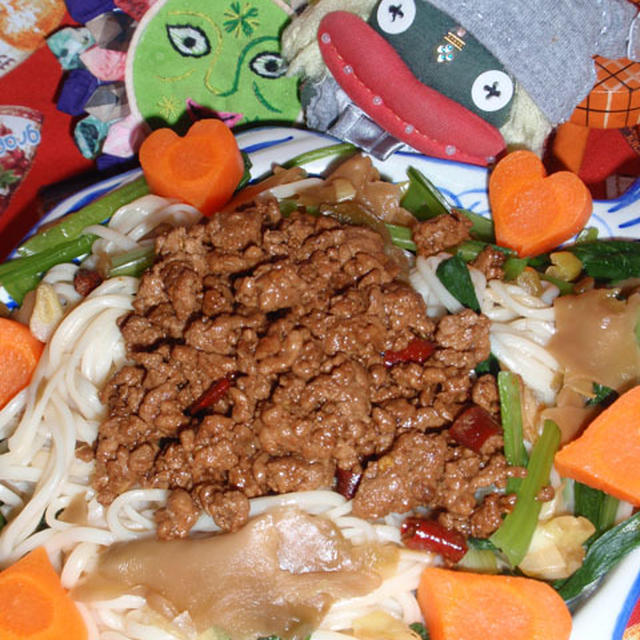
{"x":376,"y":78}
{"x":34,"y":84}
{"x":607,"y":153}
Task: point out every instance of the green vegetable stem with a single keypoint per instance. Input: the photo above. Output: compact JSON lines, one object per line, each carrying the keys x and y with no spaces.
{"x":339,"y":150}
{"x":20,"y":275}
{"x":96,"y":212}
{"x":514,"y":534}
{"x":511,"y":417}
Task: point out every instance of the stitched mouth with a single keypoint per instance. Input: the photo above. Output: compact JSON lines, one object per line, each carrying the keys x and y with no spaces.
{"x":197,"y":111}
{"x":375,"y":77}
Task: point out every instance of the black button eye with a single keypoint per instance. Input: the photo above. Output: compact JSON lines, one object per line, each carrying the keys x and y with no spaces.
{"x":188,"y":40}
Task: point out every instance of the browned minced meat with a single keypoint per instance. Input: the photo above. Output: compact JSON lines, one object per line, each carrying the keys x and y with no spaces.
{"x":437,"y":234}
{"x":298,"y":312}
{"x":86,"y":280}
{"x":490,"y":262}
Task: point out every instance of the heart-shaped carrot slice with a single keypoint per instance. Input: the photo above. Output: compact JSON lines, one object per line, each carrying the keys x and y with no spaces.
{"x":202,"y":169}
{"x":532,"y":212}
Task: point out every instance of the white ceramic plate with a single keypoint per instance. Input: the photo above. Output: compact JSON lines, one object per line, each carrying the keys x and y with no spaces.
{"x":606,"y":614}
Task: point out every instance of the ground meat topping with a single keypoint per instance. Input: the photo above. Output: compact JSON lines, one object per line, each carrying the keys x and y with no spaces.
{"x":437,"y":234}
{"x":297,"y":315}
{"x":490,"y":262}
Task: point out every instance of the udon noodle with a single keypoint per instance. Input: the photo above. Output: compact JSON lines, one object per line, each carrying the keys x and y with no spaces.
{"x":45,"y":488}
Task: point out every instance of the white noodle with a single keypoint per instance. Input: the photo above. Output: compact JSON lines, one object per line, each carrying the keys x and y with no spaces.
{"x":40,"y":476}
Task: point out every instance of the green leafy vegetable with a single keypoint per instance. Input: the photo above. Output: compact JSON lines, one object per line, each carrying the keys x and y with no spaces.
{"x":422,"y":198}
{"x":20,"y":275}
{"x":471,"y":249}
{"x":132,"y":263}
{"x":588,"y":234}
{"x":602,"y":556}
{"x":481,"y":544}
{"x":603,"y":395}
{"x":513,"y":267}
{"x":401,"y":237}
{"x":511,"y":417}
{"x":609,"y":260}
{"x":420,"y":629}
{"x":514,"y":535}
{"x":595,"y":505}
{"x":96,"y":212}
{"x":454,"y":275}
{"x":482,"y":228}
{"x":340,"y":149}
{"x":490,"y":365}
{"x":566,"y":288}
{"x":246,"y":176}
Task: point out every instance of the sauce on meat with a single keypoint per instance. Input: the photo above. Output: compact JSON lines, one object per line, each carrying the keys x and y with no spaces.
{"x":278,"y":575}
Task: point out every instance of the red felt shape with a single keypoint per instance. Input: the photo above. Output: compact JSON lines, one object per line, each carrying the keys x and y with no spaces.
{"x":376,"y":78}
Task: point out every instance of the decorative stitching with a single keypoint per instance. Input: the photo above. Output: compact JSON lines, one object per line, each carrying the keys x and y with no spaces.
{"x":404,"y":124}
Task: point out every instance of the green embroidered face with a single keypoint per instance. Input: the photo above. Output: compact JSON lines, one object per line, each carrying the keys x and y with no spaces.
{"x":201,"y":55}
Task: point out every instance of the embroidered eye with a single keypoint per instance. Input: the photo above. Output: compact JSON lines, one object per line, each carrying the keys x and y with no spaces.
{"x":492,"y":90}
{"x":188,"y":40}
{"x":396,"y":16}
{"x":268,"y":65}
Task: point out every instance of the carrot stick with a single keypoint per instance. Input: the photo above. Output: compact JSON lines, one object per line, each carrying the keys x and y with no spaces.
{"x":472,"y":606}
{"x":19,"y":355}
{"x":34,"y":605}
{"x":606,"y":455}
{"x":202,"y":169}
{"x":532,"y":212}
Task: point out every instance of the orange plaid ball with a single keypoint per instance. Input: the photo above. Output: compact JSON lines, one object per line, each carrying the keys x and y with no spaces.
{"x":614,"y":101}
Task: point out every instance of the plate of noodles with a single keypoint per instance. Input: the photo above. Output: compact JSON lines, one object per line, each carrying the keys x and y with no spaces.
{"x":276,"y":421}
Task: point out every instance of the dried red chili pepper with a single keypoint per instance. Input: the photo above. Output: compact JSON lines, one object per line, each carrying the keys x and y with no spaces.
{"x":418,"y":350}
{"x":473,"y":427}
{"x":216,"y":390}
{"x":347,"y":483}
{"x":423,"y":534}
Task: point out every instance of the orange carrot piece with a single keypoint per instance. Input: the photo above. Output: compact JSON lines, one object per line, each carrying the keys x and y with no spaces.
{"x":532,"y":212}
{"x":34,"y":605}
{"x":606,"y":455}
{"x":202,"y":169}
{"x":19,"y":355}
{"x":472,"y":606}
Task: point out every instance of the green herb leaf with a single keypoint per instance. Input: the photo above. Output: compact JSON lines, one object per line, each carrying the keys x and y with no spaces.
{"x":602,"y":556}
{"x":454,"y":275}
